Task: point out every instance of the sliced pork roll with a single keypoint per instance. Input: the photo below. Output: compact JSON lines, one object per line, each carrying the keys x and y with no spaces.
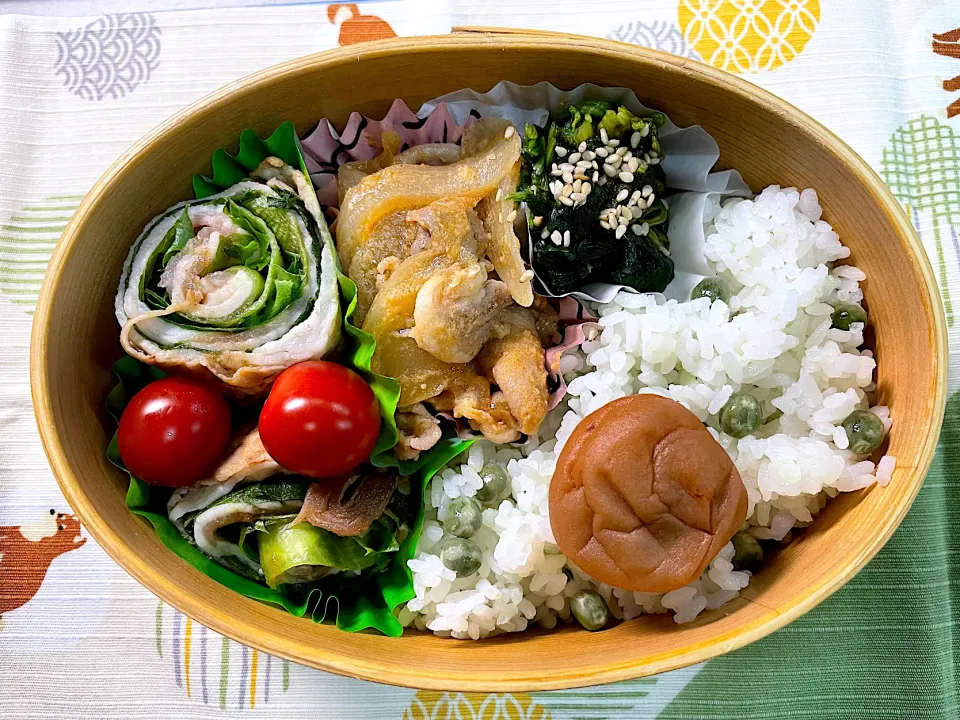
{"x":239,"y":285}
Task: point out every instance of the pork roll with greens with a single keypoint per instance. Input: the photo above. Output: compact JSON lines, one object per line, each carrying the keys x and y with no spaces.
{"x":239,"y":285}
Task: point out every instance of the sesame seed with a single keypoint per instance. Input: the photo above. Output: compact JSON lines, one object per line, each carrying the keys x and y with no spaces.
{"x":596,"y":176}
{"x":512,"y":216}
{"x":526,"y":276}
{"x":567,"y":178}
{"x":645,"y":228}
{"x":603,"y":136}
{"x":645,"y":131}
{"x":499,"y":194}
{"x":622,"y":221}
{"x":556,"y":237}
{"x":574,"y":157}
{"x":621,"y":231}
{"x":614,"y":161}
{"x":646,"y":158}
{"x":556,"y":172}
{"x":636,"y":229}
{"x":509,"y":132}
{"x":538,"y":220}
{"x":589,"y":155}
{"x":635,"y":139}
{"x":545,"y":234}
{"x":567,"y":167}
{"x":577,"y":197}
{"x":602,"y":152}
{"x":565,"y":200}
{"x":622,"y":195}
{"x":500,"y":216}
{"x":647,"y":191}
{"x":627,"y":156}
{"x":613,"y":143}
{"x":577,"y":184}
{"x":626,"y":213}
{"x":602,"y":181}
{"x":633,"y":164}
{"x":627,"y":177}
{"x":582,"y":147}
{"x":585,"y":189}
{"x":605,"y":225}
{"x":567,"y":189}
{"x":579,"y":176}
{"x":560,"y":151}
{"x":609,"y":170}
{"x":623,"y":152}
{"x":655,"y":161}
{"x":566,"y":237}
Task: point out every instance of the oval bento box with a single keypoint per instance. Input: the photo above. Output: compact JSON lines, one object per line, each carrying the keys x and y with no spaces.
{"x":75,"y":343}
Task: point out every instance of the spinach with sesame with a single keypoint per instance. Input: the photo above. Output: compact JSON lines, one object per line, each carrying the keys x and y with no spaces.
{"x":592,"y":185}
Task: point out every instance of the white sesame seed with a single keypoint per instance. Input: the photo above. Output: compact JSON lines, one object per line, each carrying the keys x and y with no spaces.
{"x":589,"y":155}
{"x":641,"y":204}
{"x":565,"y":200}
{"x":635,"y":139}
{"x":655,"y":161}
{"x":644,"y":228}
{"x":582,"y":147}
{"x":545,"y":234}
{"x":609,"y":170}
{"x":580,"y":176}
{"x":566,"y":236}
{"x":621,"y":231}
{"x":574,"y":157}
{"x":605,"y":225}
{"x":499,"y":194}
{"x":556,"y":237}
{"x":646,"y":158}
{"x":577,"y":197}
{"x":576,"y":185}
{"x":613,"y":143}
{"x":538,"y":221}
{"x":623,"y":152}
{"x":645,"y":131}
{"x":512,"y":216}
{"x":602,"y":152}
{"x":567,"y":167}
{"x":634,"y":197}
{"x":585,"y":189}
{"x":603,"y":136}
{"x":627,"y":213}
{"x":567,"y":178}
{"x":509,"y":132}
{"x":647,"y":190}
{"x":614,"y":161}
{"x":627,"y":156}
{"x":636,"y":229}
{"x":526,"y":276}
{"x":622,"y":221}
{"x":627,"y":177}
{"x":567,"y":189}
{"x":622,"y":195}
{"x":596,"y":175}
{"x":633,"y":164}
{"x":560,"y":151}
{"x":556,"y":172}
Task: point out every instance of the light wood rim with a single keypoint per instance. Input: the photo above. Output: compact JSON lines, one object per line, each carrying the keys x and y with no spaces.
{"x":388,"y":670}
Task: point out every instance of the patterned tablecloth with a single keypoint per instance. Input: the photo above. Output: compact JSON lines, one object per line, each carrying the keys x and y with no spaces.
{"x":79,"y":638}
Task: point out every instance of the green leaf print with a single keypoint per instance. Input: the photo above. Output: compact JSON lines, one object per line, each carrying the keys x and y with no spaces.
{"x":27,"y":239}
{"x":921,"y":164}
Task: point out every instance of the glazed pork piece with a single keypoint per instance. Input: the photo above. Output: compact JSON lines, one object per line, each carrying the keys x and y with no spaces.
{"x":443,"y":288}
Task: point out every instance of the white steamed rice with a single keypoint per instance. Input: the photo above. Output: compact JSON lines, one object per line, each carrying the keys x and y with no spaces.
{"x":774,"y":341}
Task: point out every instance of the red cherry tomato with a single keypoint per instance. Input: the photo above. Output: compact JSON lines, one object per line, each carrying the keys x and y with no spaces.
{"x":320,"y":419}
{"x":173,"y":432}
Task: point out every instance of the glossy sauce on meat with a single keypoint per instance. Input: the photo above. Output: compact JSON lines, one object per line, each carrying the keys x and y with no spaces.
{"x":643,"y":497}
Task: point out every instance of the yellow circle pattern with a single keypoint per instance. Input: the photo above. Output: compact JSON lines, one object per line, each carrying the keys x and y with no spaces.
{"x":746,"y":36}
{"x":430,"y":705}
